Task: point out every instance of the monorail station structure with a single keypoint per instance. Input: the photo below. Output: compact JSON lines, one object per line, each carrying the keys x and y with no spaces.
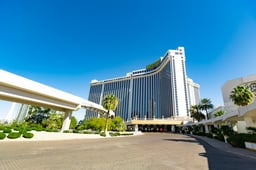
{"x":156,"y":97}
{"x":238,"y":117}
{"x":241,"y":117}
{"x":22,"y":90}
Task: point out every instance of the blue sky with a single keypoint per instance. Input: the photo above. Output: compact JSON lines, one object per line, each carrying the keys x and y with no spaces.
{"x":65,"y":44}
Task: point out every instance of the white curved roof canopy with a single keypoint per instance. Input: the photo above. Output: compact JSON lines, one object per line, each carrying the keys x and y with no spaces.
{"x":19,"y":89}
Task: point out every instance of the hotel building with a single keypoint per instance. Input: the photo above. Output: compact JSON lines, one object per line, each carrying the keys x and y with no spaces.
{"x":161,"y":90}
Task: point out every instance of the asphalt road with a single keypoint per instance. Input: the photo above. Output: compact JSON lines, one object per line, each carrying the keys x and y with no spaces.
{"x":145,"y":152}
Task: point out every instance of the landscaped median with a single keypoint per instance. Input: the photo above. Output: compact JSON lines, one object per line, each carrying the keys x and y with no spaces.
{"x":15,"y":134}
{"x":50,"y":136}
{"x":92,"y":128}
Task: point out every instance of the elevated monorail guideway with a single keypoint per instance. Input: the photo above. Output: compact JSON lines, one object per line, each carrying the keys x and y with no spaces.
{"x":22,"y":90}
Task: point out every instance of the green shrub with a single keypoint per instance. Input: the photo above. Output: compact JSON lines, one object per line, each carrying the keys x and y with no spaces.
{"x":39,"y":129}
{"x":199,"y":133}
{"x":2,"y":127}
{"x":126,"y":134}
{"x":36,"y":127}
{"x":22,"y":130}
{"x":28,"y":135}
{"x":29,"y":129}
{"x":2,"y":135}
{"x":51,"y":130}
{"x":251,"y":138}
{"x":14,"y":135}
{"x":66,"y":131}
{"x":87,"y":132}
{"x":226,"y":130}
{"x":219,"y":137}
{"x":16,"y":128}
{"x":103,"y":134}
{"x":114,"y":134}
{"x":215,"y":130}
{"x":238,"y":140}
{"x":252,"y":129}
{"x":209,"y":135}
{"x":75,"y":131}
{"x":7,"y":130}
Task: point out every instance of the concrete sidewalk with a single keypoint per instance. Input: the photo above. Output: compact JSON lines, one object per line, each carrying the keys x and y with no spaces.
{"x":227,"y":147}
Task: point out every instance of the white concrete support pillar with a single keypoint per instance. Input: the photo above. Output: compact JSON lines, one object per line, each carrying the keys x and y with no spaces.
{"x":206,"y":129}
{"x":136,"y":128}
{"x":173,"y":128}
{"x":241,"y":127}
{"x":66,"y":120}
{"x":9,"y":117}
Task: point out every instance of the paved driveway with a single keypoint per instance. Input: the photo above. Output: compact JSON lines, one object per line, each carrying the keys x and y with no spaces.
{"x":149,"y":151}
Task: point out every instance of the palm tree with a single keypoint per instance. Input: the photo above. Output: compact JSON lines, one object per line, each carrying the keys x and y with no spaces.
{"x":110,"y":102}
{"x":206,"y":104}
{"x":196,"y":113}
{"x":242,"y":96}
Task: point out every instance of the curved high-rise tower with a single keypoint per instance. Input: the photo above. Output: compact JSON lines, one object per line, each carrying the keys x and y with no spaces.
{"x":160,"y":90}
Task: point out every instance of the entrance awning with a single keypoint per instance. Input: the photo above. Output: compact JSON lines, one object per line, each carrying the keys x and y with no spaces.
{"x":156,"y":122}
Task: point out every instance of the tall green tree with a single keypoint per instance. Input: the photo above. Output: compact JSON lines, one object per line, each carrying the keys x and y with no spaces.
{"x":73,"y":123}
{"x":110,"y":102}
{"x":242,"y":96}
{"x":117,"y":124}
{"x":54,"y":121}
{"x":206,"y":104}
{"x":37,"y":114}
{"x":196,"y":113}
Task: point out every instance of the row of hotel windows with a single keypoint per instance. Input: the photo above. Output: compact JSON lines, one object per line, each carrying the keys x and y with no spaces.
{"x":185,"y":85}
{"x":146,"y":93}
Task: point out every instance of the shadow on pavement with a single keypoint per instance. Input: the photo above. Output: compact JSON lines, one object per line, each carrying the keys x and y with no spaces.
{"x":183,"y":140}
{"x":220,"y":159}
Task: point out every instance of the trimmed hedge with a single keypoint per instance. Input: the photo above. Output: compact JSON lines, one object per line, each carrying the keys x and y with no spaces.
{"x":219,"y":137}
{"x":238,"y":140}
{"x":103,"y":134}
{"x":2,"y":135}
{"x":76,"y":131}
{"x":87,"y":132}
{"x":2,"y":127}
{"x":97,"y":132}
{"x":114,"y":134}
{"x":14,"y":135}
{"x":209,"y":135}
{"x":199,"y":133}
{"x":126,"y":134}
{"x":252,"y":129}
{"x":7,"y":130}
{"x":28,"y":135}
{"x":51,"y":130}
